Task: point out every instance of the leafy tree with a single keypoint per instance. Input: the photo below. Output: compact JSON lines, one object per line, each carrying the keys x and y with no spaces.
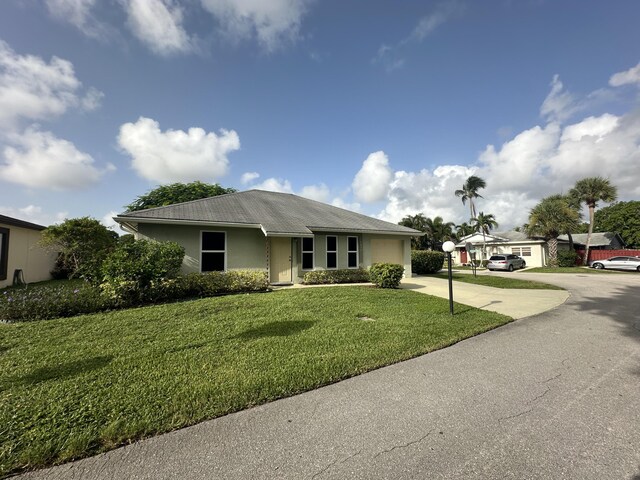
{"x":590,"y":191}
{"x":622,"y":218}
{"x":550,"y":218}
{"x":438,"y":231}
{"x":177,"y":193}
{"x":83,"y":244}
{"x":417,"y":222}
{"x":484,"y":223}
{"x":463,"y":230}
{"x":469,"y":191}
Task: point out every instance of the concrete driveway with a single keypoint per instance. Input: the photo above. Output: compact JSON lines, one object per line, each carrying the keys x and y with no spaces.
{"x":555,"y":395}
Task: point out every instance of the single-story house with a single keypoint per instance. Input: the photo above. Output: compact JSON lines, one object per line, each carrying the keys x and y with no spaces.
{"x":279,"y":233}
{"x":533,"y":250}
{"x":19,"y":250}
{"x":599,"y":241}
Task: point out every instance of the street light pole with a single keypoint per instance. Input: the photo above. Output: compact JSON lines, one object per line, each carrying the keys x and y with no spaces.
{"x":449,"y":247}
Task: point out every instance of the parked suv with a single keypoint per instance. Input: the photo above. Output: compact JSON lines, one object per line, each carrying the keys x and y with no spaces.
{"x":505,"y":262}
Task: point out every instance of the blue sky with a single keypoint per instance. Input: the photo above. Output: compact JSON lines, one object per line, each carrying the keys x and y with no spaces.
{"x":382,"y":107}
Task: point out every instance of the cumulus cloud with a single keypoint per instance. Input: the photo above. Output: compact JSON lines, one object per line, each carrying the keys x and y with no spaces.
{"x":158,"y":24}
{"x":371,"y":183}
{"x":631,"y":76}
{"x":40,"y":159}
{"x":249,"y":177}
{"x":79,"y":14}
{"x":318,"y":192}
{"x":175,"y":155}
{"x":274,"y":185}
{"x":273,"y":23}
{"x":34,"y":214}
{"x":33,"y":89}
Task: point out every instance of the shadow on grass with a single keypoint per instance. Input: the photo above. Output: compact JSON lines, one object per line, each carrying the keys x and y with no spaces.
{"x":57,"y":372}
{"x":276,"y":329}
{"x":4,"y":348}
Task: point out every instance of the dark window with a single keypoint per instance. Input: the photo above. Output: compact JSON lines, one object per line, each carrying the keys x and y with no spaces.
{"x":4,"y":252}
{"x":332,"y":251}
{"x":212,"y":257}
{"x":352,"y":252}
{"x":307,"y":253}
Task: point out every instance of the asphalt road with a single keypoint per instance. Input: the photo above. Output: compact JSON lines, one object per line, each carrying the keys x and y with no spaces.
{"x":556,"y":395}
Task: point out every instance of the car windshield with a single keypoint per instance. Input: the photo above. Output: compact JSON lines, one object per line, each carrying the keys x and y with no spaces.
{"x":497,"y":257}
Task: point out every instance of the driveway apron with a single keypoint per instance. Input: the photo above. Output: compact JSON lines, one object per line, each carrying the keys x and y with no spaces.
{"x":555,"y":395}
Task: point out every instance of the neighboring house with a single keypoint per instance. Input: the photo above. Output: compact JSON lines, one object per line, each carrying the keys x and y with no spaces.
{"x":19,"y":250}
{"x":282,"y":234}
{"x":532,"y":250}
{"x":599,"y":241}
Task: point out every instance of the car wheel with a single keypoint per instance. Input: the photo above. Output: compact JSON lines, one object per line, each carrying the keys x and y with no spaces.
{"x":524,"y":264}
{"x":598,"y":266}
{"x":511,"y":268}
{"x":638,"y":269}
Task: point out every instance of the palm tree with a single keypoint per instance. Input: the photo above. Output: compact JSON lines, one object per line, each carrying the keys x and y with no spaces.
{"x":438,"y":231}
{"x":469,"y":191}
{"x":484,"y":223}
{"x":463,"y":230}
{"x":590,"y":191}
{"x":417,"y":222}
{"x":550,"y":218}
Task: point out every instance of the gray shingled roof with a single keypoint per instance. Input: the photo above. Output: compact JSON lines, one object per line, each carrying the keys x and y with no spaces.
{"x":277,"y":213}
{"x":598,"y":239}
{"x":20,"y":223}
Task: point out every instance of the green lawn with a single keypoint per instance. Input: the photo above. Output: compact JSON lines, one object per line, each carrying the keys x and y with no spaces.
{"x":499,"y":281}
{"x":580,"y":270}
{"x":78,"y":386}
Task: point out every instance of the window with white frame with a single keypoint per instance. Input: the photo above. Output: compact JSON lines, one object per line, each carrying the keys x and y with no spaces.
{"x":213,"y":254}
{"x":352,"y":252}
{"x":332,"y":251}
{"x":307,"y":253}
{"x":521,"y":251}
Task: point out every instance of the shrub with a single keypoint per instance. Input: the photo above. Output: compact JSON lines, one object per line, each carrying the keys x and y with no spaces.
{"x":426,"y":261}
{"x":216,"y":283}
{"x":386,"y":275}
{"x":567,"y":258}
{"x":45,"y":302}
{"x":133,"y":273}
{"x":346,"y":275}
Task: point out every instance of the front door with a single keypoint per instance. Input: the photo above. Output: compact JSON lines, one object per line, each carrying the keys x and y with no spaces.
{"x":280,"y":264}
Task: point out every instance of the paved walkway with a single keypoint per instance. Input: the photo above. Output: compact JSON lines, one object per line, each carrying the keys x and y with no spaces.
{"x":555,"y":395}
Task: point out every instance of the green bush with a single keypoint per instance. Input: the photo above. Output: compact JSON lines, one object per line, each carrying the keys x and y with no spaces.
{"x":345,"y":275}
{"x":567,"y":258}
{"x":386,"y":275}
{"x":44,"y":302}
{"x":217,"y":283}
{"x":426,"y":261}
{"x":133,"y":273}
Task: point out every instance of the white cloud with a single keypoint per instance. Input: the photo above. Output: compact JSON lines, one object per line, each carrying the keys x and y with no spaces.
{"x":274,"y":185}
{"x":627,"y":77}
{"x":78,"y":14}
{"x":559,"y":104}
{"x":40,"y":159}
{"x":34,"y":214}
{"x":318,"y":192}
{"x":158,"y":24}
{"x":371,"y":183}
{"x":175,"y":155}
{"x":249,"y":177}
{"x":33,"y":89}
{"x":272,"y":22}
{"x":353,"y":206}
{"x":111,"y":224}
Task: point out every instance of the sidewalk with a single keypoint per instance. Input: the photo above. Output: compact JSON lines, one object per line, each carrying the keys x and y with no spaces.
{"x":515,"y":303}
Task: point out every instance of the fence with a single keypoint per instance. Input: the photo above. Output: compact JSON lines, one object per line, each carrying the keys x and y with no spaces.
{"x":604,"y":254}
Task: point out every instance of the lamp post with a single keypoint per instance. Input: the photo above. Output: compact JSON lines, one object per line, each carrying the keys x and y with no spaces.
{"x":449,"y":247}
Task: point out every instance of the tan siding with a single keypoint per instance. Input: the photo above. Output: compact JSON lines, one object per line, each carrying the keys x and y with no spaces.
{"x":25,"y":254}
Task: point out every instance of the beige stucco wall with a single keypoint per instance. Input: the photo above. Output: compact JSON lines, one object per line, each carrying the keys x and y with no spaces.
{"x":366,"y":251}
{"x":246,"y":247}
{"x":25,"y":253}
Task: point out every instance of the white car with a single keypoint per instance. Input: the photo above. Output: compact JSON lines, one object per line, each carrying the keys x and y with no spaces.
{"x":617,"y":263}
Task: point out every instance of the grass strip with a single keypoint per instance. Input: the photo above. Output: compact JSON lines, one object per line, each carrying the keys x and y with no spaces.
{"x":78,"y":386}
{"x":496,"y":281}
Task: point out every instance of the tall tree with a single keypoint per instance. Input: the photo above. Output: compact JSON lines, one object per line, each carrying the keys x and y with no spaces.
{"x":550,"y":218}
{"x":469,"y":192}
{"x":484,"y":223}
{"x":463,"y":230}
{"x":417,"y":222}
{"x":590,"y":191}
{"x":176,"y":193}
{"x":622,"y":218}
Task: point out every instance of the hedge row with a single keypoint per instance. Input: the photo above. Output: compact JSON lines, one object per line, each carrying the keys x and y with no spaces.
{"x":319,"y":277}
{"x":426,"y":261}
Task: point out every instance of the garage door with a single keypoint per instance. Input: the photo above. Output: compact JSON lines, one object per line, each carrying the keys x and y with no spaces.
{"x":387,"y":251}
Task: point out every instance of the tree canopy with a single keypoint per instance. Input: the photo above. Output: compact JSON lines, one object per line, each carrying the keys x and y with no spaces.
{"x":177,"y":193}
{"x":469,"y":191}
{"x":622,"y":218}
